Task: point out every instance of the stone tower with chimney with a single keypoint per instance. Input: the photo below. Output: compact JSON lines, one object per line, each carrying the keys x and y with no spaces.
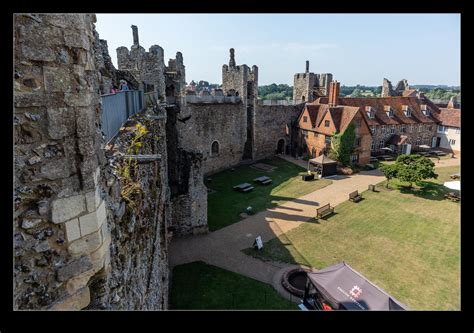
{"x":240,"y":80}
{"x":309,"y":86}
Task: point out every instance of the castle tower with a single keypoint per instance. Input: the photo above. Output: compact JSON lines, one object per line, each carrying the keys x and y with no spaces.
{"x":303,"y":85}
{"x":240,"y":80}
{"x":387,"y":89}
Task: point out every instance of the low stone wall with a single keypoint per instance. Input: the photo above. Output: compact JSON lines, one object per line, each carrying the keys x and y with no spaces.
{"x":140,"y":214}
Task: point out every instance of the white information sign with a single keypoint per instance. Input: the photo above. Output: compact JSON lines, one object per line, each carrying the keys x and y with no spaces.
{"x":258,"y":243}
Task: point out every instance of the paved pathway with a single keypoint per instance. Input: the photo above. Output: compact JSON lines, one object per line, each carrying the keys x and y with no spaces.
{"x":223,"y":247}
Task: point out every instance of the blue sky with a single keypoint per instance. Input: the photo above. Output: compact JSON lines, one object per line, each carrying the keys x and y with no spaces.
{"x":355,"y":48}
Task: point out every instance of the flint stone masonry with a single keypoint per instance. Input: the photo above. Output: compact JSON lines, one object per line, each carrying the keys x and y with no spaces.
{"x":57,"y":153}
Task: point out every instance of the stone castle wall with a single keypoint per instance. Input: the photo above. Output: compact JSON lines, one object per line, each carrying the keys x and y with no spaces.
{"x":139,"y":222}
{"x":60,"y":233}
{"x":224,"y":123}
{"x":303,"y":86}
{"x":273,"y":123}
{"x":76,"y":243}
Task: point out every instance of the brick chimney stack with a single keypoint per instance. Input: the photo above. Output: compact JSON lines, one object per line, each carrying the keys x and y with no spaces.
{"x":334,"y":87}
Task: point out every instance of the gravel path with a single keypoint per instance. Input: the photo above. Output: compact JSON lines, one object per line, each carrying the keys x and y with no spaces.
{"x":223,"y":247}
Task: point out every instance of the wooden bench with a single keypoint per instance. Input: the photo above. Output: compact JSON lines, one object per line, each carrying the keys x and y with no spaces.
{"x":452,"y":196}
{"x":307,"y":177}
{"x":355,"y":196}
{"x":268,"y":181}
{"x":247,"y":189}
{"x":372,"y":188}
{"x":324,"y":210}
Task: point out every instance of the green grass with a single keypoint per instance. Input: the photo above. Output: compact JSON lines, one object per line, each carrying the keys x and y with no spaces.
{"x":225,"y":205}
{"x":200,"y":286}
{"x":406,"y":242}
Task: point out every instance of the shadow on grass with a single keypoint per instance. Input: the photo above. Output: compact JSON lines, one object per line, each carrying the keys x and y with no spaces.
{"x":426,"y":190}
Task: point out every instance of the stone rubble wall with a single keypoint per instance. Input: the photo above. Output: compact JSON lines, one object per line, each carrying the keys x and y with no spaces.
{"x":226,"y":124}
{"x":271,"y":124}
{"x":60,"y":232}
{"x":77,"y":243}
{"x":138,"y":276}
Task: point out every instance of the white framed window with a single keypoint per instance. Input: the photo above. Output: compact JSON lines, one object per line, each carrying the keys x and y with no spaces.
{"x":383,"y":129}
{"x":305,"y":119}
{"x":373,"y":145}
{"x":418,"y":142}
{"x":354,"y":158}
{"x":392,"y":129}
{"x":403,"y":128}
{"x":373,"y":130}
{"x":458,"y":131}
{"x":440,"y":129}
{"x":327,"y":139}
{"x":381,"y":143}
{"x":326,"y":123}
{"x":452,"y":141}
{"x":305,"y":133}
{"x":420,"y":128}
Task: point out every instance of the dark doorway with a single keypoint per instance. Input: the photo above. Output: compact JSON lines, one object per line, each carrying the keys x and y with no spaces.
{"x":438,"y":141}
{"x":281,"y":146}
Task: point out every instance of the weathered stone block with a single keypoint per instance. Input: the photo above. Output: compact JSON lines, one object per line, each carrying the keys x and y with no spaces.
{"x":57,"y":79}
{"x":81,"y":99}
{"x":64,"y":209}
{"x":86,"y":244}
{"x":72,"y":230}
{"x":78,"y":301}
{"x":86,"y":146}
{"x":98,"y":256}
{"x":80,"y":281}
{"x":93,"y":200}
{"x":73,"y":268}
{"x":55,"y":169}
{"x":37,"y":53}
{"x":42,"y":247}
{"x":64,"y":20}
{"x":61,"y":122}
{"x":92,"y":222}
{"x":29,"y":223}
{"x":77,"y":38}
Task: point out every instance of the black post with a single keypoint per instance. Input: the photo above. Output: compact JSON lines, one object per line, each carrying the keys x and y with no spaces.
{"x":126,"y":104}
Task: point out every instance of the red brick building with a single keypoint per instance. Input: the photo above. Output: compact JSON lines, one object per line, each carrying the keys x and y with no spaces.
{"x":318,"y":122}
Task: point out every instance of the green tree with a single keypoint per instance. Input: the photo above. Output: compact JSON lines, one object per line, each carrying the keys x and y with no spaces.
{"x":357,"y":93}
{"x":389,"y":171}
{"x":414,"y":168}
{"x":342,"y":145}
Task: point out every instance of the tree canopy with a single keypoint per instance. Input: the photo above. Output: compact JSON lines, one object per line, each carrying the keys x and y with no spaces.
{"x":414,"y":168}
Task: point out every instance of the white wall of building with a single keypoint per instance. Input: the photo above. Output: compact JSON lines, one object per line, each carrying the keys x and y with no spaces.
{"x":450,"y":137}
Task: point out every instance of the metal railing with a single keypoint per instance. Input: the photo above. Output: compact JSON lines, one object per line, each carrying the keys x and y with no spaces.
{"x":117,"y":108}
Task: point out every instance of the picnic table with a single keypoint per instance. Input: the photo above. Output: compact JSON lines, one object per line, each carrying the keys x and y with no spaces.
{"x":452,"y":196}
{"x":244,"y":187}
{"x":262,"y":180}
{"x":455,"y":175}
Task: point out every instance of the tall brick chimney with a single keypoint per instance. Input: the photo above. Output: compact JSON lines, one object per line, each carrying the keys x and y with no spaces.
{"x":334,"y":87}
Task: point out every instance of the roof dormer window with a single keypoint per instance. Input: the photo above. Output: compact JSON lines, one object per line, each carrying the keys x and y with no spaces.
{"x":388,"y":110}
{"x":370,"y":112}
{"x":425,"y":110}
{"x":406,"y":110}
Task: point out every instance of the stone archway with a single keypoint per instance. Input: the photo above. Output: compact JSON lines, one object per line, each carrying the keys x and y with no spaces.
{"x":281,"y":146}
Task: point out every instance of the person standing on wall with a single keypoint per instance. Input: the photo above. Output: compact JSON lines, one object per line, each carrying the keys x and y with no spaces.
{"x":123,"y":85}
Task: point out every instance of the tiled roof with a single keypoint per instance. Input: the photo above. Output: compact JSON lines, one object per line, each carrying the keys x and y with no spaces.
{"x":341,"y":115}
{"x":409,"y":93}
{"x":450,"y":117}
{"x":396,"y":103}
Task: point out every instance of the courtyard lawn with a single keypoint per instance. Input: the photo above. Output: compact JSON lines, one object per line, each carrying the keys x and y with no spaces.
{"x":225,"y":205}
{"x":406,"y":241}
{"x":199,"y":286}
